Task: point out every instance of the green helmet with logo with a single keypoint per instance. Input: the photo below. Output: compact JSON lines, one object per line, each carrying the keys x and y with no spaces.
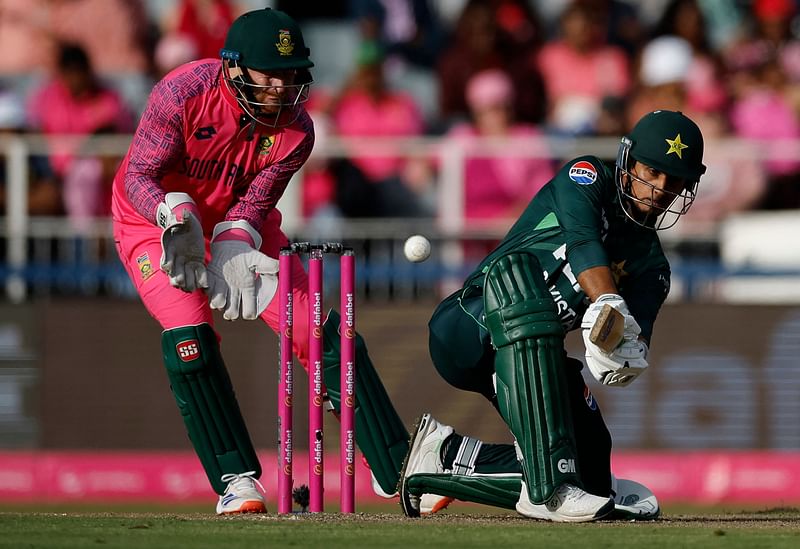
{"x":268,"y":41}
{"x":670,"y":142}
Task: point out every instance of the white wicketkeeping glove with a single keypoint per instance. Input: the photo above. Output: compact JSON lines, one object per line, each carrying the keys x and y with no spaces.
{"x":241,"y":278}
{"x":625,"y":363}
{"x":182,"y":242}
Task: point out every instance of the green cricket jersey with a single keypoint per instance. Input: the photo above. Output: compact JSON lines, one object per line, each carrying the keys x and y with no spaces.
{"x":576,"y":222}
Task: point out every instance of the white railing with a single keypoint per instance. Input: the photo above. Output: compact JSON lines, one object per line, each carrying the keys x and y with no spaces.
{"x":449,"y":225}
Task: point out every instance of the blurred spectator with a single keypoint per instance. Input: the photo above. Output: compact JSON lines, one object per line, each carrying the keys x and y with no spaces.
{"x":115,"y":33}
{"x":75,"y":103}
{"x":172,"y":51}
{"x":44,"y":195}
{"x":762,"y":110}
{"x":704,"y":86}
{"x":408,"y":29}
{"x":498,"y":187}
{"x":580,"y":69}
{"x":492,"y":34}
{"x":204,"y":23}
{"x":621,"y":21}
{"x":375,"y":186}
{"x":734,"y":180}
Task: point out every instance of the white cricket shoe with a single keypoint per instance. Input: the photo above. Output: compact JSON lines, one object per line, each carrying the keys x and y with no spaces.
{"x":633,"y":500}
{"x":424,"y":456}
{"x":568,"y":504}
{"x":241,"y":495}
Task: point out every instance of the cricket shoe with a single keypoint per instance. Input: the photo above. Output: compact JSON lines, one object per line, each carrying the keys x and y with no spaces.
{"x":568,"y":504}
{"x":424,"y":456}
{"x":633,"y":501}
{"x":242,"y":495}
{"x":428,"y":503}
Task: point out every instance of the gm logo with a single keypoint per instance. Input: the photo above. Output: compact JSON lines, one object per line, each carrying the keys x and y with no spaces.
{"x":188,"y":350}
{"x":566,"y":465}
{"x":205,"y":133}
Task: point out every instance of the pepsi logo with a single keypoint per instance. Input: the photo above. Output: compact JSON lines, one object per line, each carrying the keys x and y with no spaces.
{"x":583,"y":173}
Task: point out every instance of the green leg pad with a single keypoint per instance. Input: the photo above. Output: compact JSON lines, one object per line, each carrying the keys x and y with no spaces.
{"x":380,"y":433}
{"x":497,"y":491}
{"x":531,"y":382}
{"x":205,"y":396}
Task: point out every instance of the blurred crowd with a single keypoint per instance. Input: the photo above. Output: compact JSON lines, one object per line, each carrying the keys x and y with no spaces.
{"x":461,"y":70}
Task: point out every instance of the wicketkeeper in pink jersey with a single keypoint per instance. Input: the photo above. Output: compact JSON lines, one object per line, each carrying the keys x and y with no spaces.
{"x":196,"y":227}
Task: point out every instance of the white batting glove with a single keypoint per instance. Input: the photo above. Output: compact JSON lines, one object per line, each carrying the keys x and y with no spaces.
{"x":182,"y":242}
{"x":620,"y":367}
{"x":241,"y":278}
{"x":632,"y":329}
{"x":625,"y":363}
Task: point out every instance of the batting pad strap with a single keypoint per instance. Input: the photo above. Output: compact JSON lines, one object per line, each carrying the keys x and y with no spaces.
{"x":204,"y":394}
{"x":467,"y":455}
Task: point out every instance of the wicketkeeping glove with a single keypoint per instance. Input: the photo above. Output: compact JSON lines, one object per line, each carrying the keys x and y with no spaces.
{"x":182,"y":242}
{"x":241,"y":278}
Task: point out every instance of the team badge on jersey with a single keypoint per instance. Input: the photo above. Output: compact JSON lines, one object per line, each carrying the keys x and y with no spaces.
{"x":145,"y":266}
{"x":583,"y":173}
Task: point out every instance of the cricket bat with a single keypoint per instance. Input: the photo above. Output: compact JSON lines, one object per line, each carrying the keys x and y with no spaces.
{"x":608,"y":330}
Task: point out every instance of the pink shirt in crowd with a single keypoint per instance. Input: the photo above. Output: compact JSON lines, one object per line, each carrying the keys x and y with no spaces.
{"x":54,"y":111}
{"x":500,"y":187}
{"x":395,"y":115}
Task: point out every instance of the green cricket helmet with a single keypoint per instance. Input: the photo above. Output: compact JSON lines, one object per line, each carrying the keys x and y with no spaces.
{"x":670,"y":142}
{"x":268,"y":41}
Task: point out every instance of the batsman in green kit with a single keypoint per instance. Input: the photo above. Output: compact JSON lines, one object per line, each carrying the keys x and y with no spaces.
{"x":587,"y":239}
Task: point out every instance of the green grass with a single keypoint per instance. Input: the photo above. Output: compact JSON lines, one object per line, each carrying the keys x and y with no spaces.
{"x":151,"y":530}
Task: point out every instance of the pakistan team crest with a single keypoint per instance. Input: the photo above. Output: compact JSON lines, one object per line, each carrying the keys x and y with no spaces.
{"x":285,"y":45}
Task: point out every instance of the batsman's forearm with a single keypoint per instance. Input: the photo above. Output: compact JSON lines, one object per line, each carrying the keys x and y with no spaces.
{"x":596,"y":281}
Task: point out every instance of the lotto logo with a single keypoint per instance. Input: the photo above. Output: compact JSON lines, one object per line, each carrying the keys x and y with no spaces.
{"x":188,"y":350}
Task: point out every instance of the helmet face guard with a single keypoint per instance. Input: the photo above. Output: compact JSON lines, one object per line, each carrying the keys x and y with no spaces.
{"x":283,"y":111}
{"x":667,"y":141}
{"x":659,"y":218}
{"x":270,"y":42}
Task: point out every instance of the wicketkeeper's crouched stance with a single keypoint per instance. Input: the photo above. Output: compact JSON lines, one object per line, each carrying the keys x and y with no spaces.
{"x":196,"y":228}
{"x":586,"y":241}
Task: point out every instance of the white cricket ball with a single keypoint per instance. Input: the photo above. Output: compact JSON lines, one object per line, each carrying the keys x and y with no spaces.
{"x":417,"y":248}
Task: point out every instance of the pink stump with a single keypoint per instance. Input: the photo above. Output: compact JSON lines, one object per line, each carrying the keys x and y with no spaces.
{"x":347,"y":466}
{"x":315,"y":382}
{"x":285,"y":382}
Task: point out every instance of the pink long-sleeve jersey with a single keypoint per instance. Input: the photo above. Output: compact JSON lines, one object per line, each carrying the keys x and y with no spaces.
{"x":193,"y":137}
